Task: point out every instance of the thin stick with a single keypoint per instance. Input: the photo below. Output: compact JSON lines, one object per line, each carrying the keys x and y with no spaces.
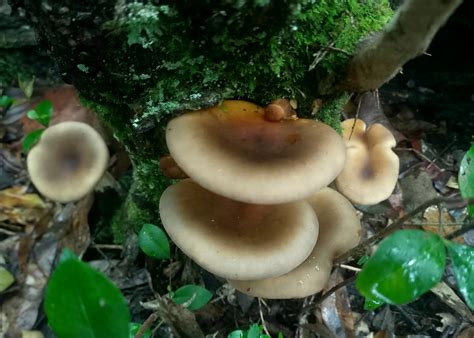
{"x":349,"y":267}
{"x":324,"y":296}
{"x":107,"y":246}
{"x":361,"y":249}
{"x":146,"y":325}
{"x":261,"y":317}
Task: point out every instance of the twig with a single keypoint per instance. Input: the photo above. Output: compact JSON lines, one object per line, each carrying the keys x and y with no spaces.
{"x":261,"y":317}
{"x":146,"y":325}
{"x":355,"y":118}
{"x":361,"y":249}
{"x":349,"y":267}
{"x":461,"y":231}
{"x":328,"y":293}
{"x":107,"y":246}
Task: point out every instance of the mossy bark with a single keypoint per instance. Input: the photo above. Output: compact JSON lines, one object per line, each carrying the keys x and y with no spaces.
{"x":137,"y":64}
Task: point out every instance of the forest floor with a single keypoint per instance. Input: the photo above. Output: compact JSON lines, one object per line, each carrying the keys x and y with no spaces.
{"x":33,"y":232}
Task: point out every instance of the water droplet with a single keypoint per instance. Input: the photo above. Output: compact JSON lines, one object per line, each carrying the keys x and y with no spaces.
{"x":300,"y":282}
{"x":317,"y":268}
{"x":308,"y":276}
{"x":102,"y":302}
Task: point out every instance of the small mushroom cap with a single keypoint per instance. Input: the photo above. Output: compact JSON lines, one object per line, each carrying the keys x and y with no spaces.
{"x":233,"y":151}
{"x":237,"y":240}
{"x":339,"y":231}
{"x":371,"y":169}
{"x":68,"y":161}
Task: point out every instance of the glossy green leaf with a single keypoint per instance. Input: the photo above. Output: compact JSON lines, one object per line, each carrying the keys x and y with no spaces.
{"x":31,"y":139}
{"x":134,"y":327}
{"x":406,"y":265}
{"x":372,"y":304}
{"x":466,"y":178}
{"x":81,"y":302}
{"x":153,"y":241}
{"x":6,"y":279}
{"x":42,"y":113}
{"x":254,"y":331}
{"x":462,"y":259}
{"x":66,"y":255}
{"x":6,"y":101}
{"x":193,"y":297}
{"x":236,"y":334}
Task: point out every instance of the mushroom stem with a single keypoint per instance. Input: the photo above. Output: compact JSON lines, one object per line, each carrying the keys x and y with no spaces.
{"x":171,"y":169}
{"x":278,"y":110}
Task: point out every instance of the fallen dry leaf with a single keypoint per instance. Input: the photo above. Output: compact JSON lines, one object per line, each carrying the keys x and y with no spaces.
{"x":19,"y":207}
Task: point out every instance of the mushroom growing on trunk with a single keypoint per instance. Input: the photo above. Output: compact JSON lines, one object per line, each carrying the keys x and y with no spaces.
{"x":233,"y":151}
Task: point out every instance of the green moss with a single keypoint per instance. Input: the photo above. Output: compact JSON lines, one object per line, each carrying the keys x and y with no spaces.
{"x":258,"y":50}
{"x":331,"y":111}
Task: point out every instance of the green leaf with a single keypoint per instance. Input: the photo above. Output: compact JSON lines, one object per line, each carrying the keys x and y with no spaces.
{"x":6,"y":101}
{"x":6,"y":279}
{"x":153,"y":241}
{"x":67,"y":254}
{"x":81,"y":302}
{"x":236,"y":334}
{"x":462,"y":259}
{"x":193,"y":297}
{"x":42,"y":113}
{"x":31,"y":139}
{"x":26,"y":86}
{"x":133,"y":329}
{"x":254,"y":331}
{"x":406,"y":265}
{"x":372,"y":304}
{"x":466,"y":178}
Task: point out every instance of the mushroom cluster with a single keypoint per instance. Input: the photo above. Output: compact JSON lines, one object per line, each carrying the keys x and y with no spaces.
{"x":256,"y":209}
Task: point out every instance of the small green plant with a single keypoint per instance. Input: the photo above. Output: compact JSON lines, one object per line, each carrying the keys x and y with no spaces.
{"x":154,"y":243}
{"x":409,"y":263}
{"x":81,"y":302}
{"x":255,"y":331}
{"x":42,"y":114}
{"x":466,"y":178}
{"x":6,"y":101}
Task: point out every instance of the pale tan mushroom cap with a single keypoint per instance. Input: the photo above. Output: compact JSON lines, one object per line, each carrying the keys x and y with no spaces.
{"x":68,"y":161}
{"x":371,"y":169}
{"x":237,"y":240}
{"x":339,"y":231}
{"x":233,"y":151}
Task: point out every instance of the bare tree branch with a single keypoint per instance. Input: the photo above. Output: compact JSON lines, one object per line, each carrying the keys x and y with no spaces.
{"x":407,"y":36}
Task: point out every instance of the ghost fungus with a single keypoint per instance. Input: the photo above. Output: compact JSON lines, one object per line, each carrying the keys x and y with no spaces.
{"x":371,"y":170}
{"x":233,"y":151}
{"x":68,"y":161}
{"x":237,"y":240}
{"x":339,"y":231}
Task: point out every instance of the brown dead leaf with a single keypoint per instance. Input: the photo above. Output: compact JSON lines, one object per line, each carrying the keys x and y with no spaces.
{"x":20,"y":207}
{"x":440,"y":223}
{"x":336,"y":309}
{"x":17,"y":197}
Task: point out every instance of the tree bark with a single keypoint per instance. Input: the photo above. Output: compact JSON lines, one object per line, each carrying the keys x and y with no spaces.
{"x":408,"y":35}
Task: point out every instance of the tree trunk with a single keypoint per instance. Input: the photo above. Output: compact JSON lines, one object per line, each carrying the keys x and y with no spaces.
{"x":138,"y":64}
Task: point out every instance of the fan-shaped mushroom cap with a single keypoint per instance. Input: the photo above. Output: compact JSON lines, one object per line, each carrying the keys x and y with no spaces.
{"x":233,"y":151}
{"x":237,"y":240}
{"x":339,"y":231}
{"x":68,"y":161}
{"x":371,"y":169}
